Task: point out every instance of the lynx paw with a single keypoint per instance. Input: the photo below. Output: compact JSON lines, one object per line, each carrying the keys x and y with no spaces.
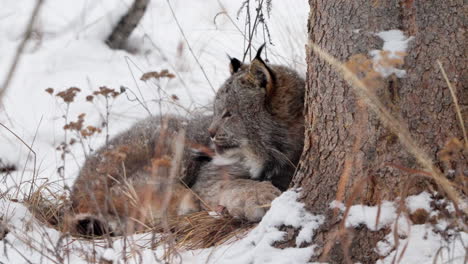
{"x":88,"y":225}
{"x":253,"y":202}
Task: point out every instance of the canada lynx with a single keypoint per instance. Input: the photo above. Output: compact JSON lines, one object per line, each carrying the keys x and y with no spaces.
{"x":257,"y":138}
{"x":258,"y":132}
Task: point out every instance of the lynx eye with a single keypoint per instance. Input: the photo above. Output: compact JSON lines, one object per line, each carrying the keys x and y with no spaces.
{"x":226,"y":114}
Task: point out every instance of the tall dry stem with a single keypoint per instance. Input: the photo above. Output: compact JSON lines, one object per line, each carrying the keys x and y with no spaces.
{"x":455,"y":103}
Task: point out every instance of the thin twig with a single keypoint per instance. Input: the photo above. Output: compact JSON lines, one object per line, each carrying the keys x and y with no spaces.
{"x":189,"y":47}
{"x":107,"y":119}
{"x":143,"y":103}
{"x":34,"y":171}
{"x":24,"y":143}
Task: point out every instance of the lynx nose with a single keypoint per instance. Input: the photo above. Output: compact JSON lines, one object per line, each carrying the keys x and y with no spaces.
{"x":212,"y":133}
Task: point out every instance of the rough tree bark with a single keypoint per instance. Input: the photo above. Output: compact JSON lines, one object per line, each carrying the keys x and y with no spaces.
{"x":127,"y":24}
{"x":345,"y":143}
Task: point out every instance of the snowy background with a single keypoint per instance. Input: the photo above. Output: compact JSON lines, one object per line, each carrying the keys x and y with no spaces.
{"x":67,"y":50}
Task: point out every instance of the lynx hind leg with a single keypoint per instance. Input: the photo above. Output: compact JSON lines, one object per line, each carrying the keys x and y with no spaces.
{"x":187,"y":201}
{"x":145,"y":212}
{"x":248,"y":199}
{"x":167,"y":199}
{"x":130,"y":206}
{"x":144,"y":203}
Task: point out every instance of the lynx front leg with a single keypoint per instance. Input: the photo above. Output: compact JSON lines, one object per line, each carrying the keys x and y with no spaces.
{"x":248,"y":199}
{"x":230,"y":186}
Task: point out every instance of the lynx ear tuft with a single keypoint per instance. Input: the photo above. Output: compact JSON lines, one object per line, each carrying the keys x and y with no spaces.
{"x":259,"y":52}
{"x":261,"y":73}
{"x":234,"y":65}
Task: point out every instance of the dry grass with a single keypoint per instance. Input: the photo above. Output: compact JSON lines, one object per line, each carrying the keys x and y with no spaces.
{"x":204,"y":230}
{"x":193,"y":231}
{"x":47,"y":207}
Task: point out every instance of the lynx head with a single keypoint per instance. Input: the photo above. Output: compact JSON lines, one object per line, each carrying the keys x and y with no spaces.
{"x":258,"y":119}
{"x":242,"y":122}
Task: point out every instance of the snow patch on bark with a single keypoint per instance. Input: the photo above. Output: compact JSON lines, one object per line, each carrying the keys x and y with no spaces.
{"x":386,"y":60}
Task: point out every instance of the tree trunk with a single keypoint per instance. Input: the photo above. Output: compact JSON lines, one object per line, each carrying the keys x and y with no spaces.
{"x":349,"y":155}
{"x":127,"y":24}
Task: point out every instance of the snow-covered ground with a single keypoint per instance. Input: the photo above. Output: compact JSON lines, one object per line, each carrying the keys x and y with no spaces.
{"x":418,"y":243}
{"x":67,"y":50}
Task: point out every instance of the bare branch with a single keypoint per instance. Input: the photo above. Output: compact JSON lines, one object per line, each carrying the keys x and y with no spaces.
{"x":20,"y":49}
{"x":127,"y":24}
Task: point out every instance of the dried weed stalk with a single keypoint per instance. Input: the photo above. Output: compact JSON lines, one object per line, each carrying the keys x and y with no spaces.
{"x":68,"y":97}
{"x":109,"y":97}
{"x":252,"y":24}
